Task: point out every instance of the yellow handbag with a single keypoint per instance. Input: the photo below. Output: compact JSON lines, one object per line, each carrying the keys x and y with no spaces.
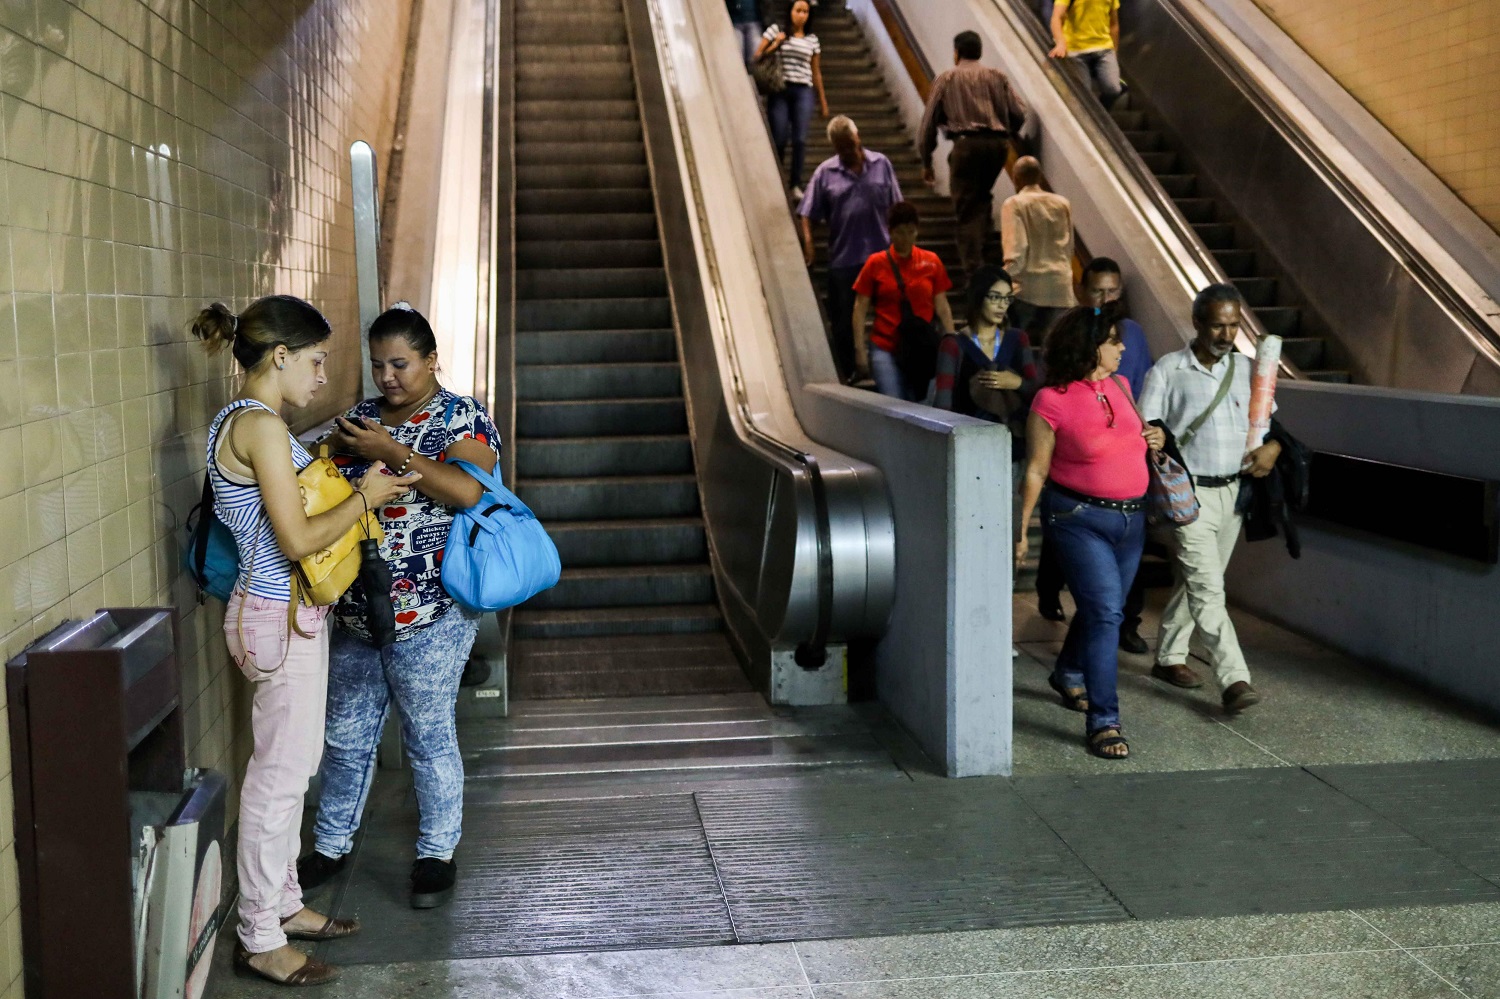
{"x":321,"y":578}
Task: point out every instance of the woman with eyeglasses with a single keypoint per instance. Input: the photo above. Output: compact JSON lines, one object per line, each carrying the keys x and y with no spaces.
{"x":988,"y":371}
{"x":1086,"y":465}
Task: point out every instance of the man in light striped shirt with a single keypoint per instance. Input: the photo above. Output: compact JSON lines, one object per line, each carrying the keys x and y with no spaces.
{"x":1183,"y":390}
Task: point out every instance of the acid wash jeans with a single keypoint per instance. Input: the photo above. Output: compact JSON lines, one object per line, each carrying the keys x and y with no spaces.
{"x":422,"y":673}
{"x":289,"y":674}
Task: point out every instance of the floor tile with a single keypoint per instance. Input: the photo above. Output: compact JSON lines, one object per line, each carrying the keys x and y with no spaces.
{"x":1437,"y":925}
{"x":1086,"y":946}
{"x":1475,"y":970}
{"x":1367,"y":975}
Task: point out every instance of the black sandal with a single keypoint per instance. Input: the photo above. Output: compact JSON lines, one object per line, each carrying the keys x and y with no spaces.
{"x":1073,"y":702}
{"x":1097,"y":745}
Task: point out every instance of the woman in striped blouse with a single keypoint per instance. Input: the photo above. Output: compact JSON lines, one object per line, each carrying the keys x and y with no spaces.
{"x":791,"y":110}
{"x":280,"y":343}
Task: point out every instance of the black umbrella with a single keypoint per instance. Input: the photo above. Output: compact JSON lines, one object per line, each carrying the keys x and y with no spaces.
{"x":375,"y":578}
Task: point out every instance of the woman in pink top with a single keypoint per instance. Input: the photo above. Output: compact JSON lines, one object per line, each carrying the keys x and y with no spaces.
{"x":1087,"y":466}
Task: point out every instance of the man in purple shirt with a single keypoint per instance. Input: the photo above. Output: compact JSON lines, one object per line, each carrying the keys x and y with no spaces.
{"x":851,"y":191}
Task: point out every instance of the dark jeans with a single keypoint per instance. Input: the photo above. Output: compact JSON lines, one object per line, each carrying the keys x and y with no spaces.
{"x":791,"y":111}
{"x":1049,"y":584}
{"x":1036,"y":320}
{"x":1100,"y":551}
{"x":841,"y":317}
{"x":974,"y":164}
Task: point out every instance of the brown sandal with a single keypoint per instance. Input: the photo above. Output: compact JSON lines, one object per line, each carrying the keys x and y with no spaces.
{"x":332,"y":929}
{"x":312,"y":972}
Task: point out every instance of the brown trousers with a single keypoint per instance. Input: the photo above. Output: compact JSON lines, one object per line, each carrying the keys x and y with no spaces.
{"x":974,"y":164}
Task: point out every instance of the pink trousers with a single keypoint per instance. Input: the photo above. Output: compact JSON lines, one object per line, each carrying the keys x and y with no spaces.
{"x":290,"y":678}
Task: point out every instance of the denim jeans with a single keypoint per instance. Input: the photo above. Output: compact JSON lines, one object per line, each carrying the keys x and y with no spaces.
{"x":791,"y":111}
{"x":888,"y":377}
{"x":1103,"y":67}
{"x":1100,"y":551}
{"x":422,"y":673}
{"x":749,"y":33}
{"x":841,"y":317}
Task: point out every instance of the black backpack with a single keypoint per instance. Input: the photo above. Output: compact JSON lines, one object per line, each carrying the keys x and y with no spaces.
{"x":916,"y":339}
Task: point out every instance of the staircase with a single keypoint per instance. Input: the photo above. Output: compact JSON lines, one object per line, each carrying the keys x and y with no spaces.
{"x":602,"y":448}
{"x":1219,"y":229}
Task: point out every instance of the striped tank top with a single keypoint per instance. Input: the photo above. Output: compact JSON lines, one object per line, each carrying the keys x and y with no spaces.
{"x":264,"y":570}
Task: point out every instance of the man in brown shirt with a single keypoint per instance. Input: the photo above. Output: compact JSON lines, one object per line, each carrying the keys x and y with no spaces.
{"x":1036,"y":232}
{"x":979,"y":110}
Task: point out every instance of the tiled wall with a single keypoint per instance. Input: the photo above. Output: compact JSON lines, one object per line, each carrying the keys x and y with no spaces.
{"x":1428,"y":70}
{"x":158,"y":155}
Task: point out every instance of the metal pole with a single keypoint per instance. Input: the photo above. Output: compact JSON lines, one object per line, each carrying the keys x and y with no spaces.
{"x":366,"y":191}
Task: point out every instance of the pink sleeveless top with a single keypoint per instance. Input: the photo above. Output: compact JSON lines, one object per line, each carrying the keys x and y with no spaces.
{"x":1092,"y":457}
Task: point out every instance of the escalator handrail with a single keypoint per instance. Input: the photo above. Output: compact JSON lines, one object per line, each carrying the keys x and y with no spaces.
{"x":1481,"y":333}
{"x":1108,"y":133}
{"x":812,"y":652}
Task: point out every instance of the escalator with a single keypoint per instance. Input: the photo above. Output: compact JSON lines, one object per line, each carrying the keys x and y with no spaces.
{"x":602,"y":449}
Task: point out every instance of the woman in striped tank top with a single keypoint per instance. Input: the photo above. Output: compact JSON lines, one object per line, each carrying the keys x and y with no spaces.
{"x":253,"y":460}
{"x":791,"y":110}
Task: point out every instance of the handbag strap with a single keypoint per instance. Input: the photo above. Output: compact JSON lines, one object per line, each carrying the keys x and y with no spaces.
{"x":906,"y":306}
{"x":1219,"y":396}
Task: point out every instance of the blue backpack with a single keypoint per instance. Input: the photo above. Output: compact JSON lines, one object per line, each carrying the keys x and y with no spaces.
{"x":210,"y":556}
{"x":498,"y":554}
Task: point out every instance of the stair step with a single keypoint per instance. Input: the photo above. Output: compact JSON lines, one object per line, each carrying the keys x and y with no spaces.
{"x":551,"y":111}
{"x":637,"y":380}
{"x":1215,"y":235}
{"x":560,"y":253}
{"x":601,"y":418}
{"x":603,"y":497}
{"x":1258,"y":292}
{"x":590,"y":175}
{"x":594,"y":346}
{"x":585,"y":622}
{"x":1282,"y":321}
{"x":593,"y":313}
{"x":1307,"y":353}
{"x":577,"y":457}
{"x":628,"y":586}
{"x":655,"y":541}
{"x":1236,"y":263}
{"x":581,"y":152}
{"x":585,"y":282}
{"x":624,"y":226}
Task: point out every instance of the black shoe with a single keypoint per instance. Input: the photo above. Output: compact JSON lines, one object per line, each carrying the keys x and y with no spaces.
{"x":1051,"y":609}
{"x":432,"y":882}
{"x":476,"y":672}
{"x":1131,"y":640}
{"x":314,"y":870}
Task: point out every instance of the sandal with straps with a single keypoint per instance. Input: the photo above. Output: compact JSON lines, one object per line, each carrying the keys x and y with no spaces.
{"x":332,"y":929}
{"x":312,"y":971}
{"x":1073,"y":702}
{"x":1099,"y":742}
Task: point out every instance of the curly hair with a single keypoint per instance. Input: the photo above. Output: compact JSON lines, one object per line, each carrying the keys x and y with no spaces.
{"x":1071,"y":352}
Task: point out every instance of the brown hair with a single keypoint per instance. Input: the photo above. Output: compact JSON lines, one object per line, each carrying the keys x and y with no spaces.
{"x":1071,"y":352}
{"x":268,"y":323}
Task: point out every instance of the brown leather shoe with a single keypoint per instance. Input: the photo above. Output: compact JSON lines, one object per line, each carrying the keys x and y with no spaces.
{"x":1178,"y":675}
{"x":312,"y":972}
{"x":1238,"y":696}
{"x":333,"y":929}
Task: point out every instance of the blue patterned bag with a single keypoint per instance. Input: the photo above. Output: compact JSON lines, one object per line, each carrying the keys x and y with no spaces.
{"x":1170,"y":497}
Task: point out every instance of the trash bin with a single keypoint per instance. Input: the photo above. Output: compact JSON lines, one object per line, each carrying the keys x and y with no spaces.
{"x":118,"y":842}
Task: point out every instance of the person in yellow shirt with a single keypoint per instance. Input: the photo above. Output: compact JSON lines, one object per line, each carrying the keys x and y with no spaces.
{"x":1088,"y":32}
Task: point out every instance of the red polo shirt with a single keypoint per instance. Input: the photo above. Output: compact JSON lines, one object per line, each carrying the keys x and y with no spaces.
{"x":925,"y":278}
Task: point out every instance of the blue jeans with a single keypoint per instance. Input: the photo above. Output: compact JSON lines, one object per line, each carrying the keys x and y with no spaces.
{"x":1103,"y":66}
{"x":888,"y":377}
{"x":422,"y":673}
{"x":1099,"y":551}
{"x":791,"y":111}
{"x":749,"y":33}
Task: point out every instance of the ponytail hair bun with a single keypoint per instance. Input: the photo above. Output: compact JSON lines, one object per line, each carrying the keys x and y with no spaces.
{"x":267,"y":323}
{"x":216,"y":326}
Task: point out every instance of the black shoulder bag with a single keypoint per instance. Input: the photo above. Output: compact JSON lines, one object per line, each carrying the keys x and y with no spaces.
{"x":916,"y":339}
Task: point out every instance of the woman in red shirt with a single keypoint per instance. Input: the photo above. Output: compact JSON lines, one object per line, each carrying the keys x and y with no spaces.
{"x":927,"y":284}
{"x":1087,"y":466}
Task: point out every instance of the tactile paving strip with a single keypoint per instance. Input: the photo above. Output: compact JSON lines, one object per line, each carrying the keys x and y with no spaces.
{"x":807,"y":863}
{"x":1451,"y":805}
{"x":1236,"y":842}
{"x":543,"y":876}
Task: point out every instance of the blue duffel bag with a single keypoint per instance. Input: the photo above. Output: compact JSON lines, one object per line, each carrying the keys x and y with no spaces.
{"x":498,"y":554}
{"x":210,"y":554}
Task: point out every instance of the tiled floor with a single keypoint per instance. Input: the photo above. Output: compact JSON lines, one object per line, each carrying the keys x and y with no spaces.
{"x":1320,"y":709}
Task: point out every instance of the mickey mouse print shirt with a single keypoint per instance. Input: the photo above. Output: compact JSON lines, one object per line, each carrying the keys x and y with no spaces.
{"x":416,"y":526}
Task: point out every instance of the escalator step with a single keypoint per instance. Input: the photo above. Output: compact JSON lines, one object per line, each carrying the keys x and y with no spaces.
{"x":588,"y":253}
{"x":626,"y":541}
{"x":577,"y":457}
{"x":1178,"y":185}
{"x":585,"y":622}
{"x":563,"y":75}
{"x":593,"y":313}
{"x":1282,"y":321}
{"x":601,"y":418}
{"x":563,"y":31}
{"x":622,"y":130}
{"x":626,"y":227}
{"x":1144,"y":141}
{"x":628,"y":586}
{"x":1160,"y":162}
{"x":1307,"y":353}
{"x":582,"y":175}
{"x":580,"y":152}
{"x":1331,"y":377}
{"x":1258,"y":292}
{"x":1236,"y":263}
{"x":532,"y":55}
{"x":608,"y":201}
{"x":630,"y":380}
{"x":612,"y":282}
{"x":1196,"y":209}
{"x":610,"y":496}
{"x":1215,"y":235}
{"x":594,"y":346}
{"x":581,"y":89}
{"x":550,"y":112}
{"x":1129,"y":121}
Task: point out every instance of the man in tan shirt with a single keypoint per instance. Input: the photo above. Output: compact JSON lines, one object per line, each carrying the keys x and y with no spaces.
{"x":1036,"y":230}
{"x":980,"y":111}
